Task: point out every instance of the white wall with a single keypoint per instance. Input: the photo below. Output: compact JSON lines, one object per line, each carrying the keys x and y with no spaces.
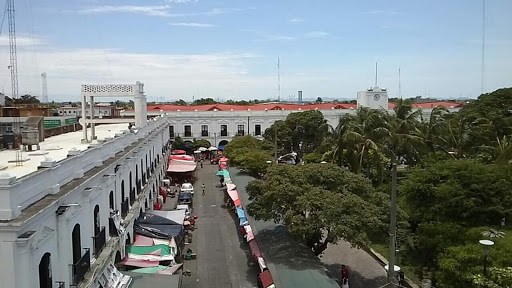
{"x":20,"y":261}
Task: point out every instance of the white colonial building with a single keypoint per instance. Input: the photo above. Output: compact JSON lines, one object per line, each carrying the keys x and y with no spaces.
{"x":67,"y":211}
{"x":219,"y":123}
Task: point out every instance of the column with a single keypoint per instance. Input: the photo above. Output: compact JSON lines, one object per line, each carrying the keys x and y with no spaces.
{"x":84,"y":118}
{"x":93,"y":130}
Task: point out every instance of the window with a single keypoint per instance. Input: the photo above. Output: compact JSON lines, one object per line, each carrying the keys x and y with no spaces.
{"x":223,"y":130}
{"x":241,"y":130}
{"x":257,"y":130}
{"x":188,"y":131}
{"x":171,"y":131}
{"x":204,"y":130}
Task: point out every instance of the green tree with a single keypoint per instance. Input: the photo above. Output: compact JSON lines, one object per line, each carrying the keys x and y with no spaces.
{"x":461,"y":191}
{"x":178,"y":144}
{"x":496,"y":278}
{"x":203,"y":101}
{"x":316,"y":210}
{"x":254,"y":162}
{"x":180,"y":102}
{"x":242,"y":145}
{"x":201,"y":143}
{"x":308,"y":129}
{"x":284,"y":136}
{"x":319,"y":100}
{"x":312,"y":158}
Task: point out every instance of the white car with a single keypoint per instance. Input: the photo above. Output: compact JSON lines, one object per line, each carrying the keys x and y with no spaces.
{"x":187,"y":187}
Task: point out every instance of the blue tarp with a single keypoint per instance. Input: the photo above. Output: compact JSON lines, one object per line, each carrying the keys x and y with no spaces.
{"x":241,"y":215}
{"x":221,"y":147}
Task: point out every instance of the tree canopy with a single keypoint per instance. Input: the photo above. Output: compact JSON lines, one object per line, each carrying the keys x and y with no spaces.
{"x":319,"y":204}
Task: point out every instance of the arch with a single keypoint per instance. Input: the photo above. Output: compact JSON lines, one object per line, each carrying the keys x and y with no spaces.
{"x":45,"y":271}
{"x":147,"y":206}
{"x":117,"y":259}
{"x":111,"y":200}
{"x":128,"y":239}
{"x":142,"y":176}
{"x":222,"y":144}
{"x":76,"y":243}
{"x":96,"y":220}
{"x":140,"y":211}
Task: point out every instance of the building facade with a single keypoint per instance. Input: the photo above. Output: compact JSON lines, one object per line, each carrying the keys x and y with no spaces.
{"x":219,"y":123}
{"x":107,"y":111}
{"x":64,"y":219}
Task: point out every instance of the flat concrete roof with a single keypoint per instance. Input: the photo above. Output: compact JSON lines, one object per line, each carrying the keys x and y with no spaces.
{"x":55,"y":147}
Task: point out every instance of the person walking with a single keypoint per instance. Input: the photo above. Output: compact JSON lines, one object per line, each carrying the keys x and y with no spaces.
{"x":201,"y":163}
{"x":203,"y":187}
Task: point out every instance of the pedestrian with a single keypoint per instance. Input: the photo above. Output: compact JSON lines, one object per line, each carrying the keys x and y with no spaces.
{"x":344,"y":275}
{"x":203,"y":187}
{"x":201,"y":163}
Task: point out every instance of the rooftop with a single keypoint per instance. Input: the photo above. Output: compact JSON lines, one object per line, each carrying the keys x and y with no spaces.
{"x":287,"y":106}
{"x":56,"y":148}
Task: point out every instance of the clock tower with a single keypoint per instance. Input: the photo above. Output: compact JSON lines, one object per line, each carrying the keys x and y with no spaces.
{"x":374,"y":98}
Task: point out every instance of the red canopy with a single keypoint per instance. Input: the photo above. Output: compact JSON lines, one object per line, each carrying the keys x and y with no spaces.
{"x":178,"y":152}
{"x":181,"y":157}
{"x":181,"y":166}
{"x":266,"y":278}
{"x":255,"y":249}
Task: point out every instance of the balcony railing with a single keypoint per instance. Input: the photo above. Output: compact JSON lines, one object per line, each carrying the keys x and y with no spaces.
{"x":112,"y":230}
{"x":187,"y":134}
{"x":124,"y":208}
{"x":223,"y":133}
{"x":205,"y":134}
{"x":99,"y":241}
{"x":171,"y":134}
{"x":80,"y":268}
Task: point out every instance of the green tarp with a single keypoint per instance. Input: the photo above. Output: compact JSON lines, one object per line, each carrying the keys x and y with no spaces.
{"x":223,"y":173}
{"x":144,"y":250}
{"x":150,"y":270}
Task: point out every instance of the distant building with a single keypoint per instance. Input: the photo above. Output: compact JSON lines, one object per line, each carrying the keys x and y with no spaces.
{"x":374,"y":98}
{"x":100,"y":110}
{"x":26,"y":110}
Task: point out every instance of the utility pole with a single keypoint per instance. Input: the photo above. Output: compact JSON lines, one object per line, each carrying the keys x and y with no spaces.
{"x":248,"y":125}
{"x":392,"y":228}
{"x":483,"y":47}
{"x":278,"y":81}
{"x":12,"y":48}
{"x":275,"y":141}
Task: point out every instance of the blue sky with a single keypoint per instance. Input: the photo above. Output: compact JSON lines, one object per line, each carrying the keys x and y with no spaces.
{"x":229,"y":49}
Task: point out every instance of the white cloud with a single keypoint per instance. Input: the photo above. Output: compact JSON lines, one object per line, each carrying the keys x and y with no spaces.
{"x":22,"y":40}
{"x":315,"y":34}
{"x":381,"y":12}
{"x":296,"y":20}
{"x":193,"y":24}
{"x":169,"y":75}
{"x":307,"y":35}
{"x":162,"y":10}
{"x":181,"y":1}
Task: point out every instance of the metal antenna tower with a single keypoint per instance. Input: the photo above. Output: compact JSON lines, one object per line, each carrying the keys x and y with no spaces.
{"x":278,"y":81}
{"x":45,"y":87}
{"x":376,"y":75}
{"x":399,"y":85}
{"x":483,"y":47}
{"x":12,"y":48}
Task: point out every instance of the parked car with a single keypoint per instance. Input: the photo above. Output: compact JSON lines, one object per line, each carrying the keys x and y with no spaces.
{"x":188,"y":210}
{"x":187,"y":187}
{"x":185,"y":198}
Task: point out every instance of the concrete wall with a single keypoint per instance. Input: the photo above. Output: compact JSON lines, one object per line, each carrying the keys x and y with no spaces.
{"x":20,"y":259}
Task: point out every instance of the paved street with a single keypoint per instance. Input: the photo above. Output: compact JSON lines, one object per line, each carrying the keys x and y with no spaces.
{"x":293,"y":265}
{"x":223,"y":257}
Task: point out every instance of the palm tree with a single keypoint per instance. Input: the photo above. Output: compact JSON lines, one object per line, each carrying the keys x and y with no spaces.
{"x":337,"y":138}
{"x":434,"y":130}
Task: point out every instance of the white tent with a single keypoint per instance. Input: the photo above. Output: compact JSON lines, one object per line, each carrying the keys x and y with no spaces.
{"x":202,"y":149}
{"x":212,"y":148}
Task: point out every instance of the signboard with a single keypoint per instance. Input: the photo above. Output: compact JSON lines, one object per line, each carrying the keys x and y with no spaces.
{"x":51,"y":123}
{"x":70,"y":121}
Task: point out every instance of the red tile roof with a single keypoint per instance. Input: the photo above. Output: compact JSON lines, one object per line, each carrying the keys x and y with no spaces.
{"x":286,"y":106}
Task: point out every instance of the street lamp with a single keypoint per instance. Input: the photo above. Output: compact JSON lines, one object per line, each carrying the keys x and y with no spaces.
{"x":487,"y":244}
{"x":215,"y":141}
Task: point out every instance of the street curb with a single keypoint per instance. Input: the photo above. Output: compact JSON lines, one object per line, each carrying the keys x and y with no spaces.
{"x":383,"y":261}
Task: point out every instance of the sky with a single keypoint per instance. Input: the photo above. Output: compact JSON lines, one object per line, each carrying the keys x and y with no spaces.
{"x":190,"y":49}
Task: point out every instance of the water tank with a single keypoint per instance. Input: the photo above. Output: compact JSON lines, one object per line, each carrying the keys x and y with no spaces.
{"x":30,"y":137}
